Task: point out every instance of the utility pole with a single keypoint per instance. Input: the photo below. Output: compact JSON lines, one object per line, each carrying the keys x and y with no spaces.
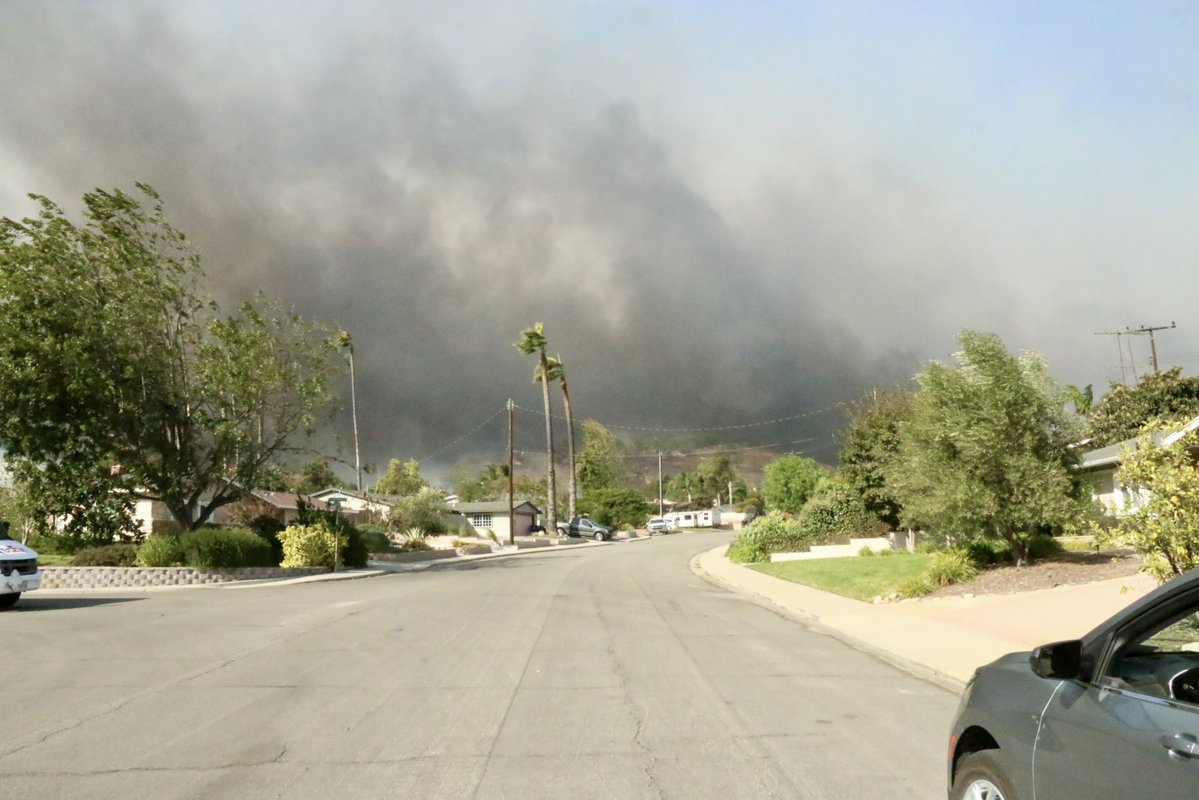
{"x":1149,"y":329}
{"x":659,"y":483}
{"x":511,"y":478}
{"x":1119,"y":349}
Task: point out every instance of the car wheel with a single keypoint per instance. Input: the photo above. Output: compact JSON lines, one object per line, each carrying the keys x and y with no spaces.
{"x":7,"y":600}
{"x":599,"y":536}
{"x":980,"y":778}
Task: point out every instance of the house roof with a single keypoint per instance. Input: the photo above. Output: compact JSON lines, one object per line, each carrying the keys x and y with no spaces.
{"x":494,"y":507}
{"x":290,"y":501}
{"x":1113,"y":454}
{"x":381,"y":499}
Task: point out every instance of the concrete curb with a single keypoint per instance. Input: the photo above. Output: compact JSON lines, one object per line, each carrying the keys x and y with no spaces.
{"x":814,"y":621}
{"x":942,"y":640}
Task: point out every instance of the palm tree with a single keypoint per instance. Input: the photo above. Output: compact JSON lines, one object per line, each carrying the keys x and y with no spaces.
{"x":557,"y":372}
{"x":532,"y":340}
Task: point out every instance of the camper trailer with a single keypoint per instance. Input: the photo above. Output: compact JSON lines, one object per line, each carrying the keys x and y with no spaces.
{"x":704,"y":518}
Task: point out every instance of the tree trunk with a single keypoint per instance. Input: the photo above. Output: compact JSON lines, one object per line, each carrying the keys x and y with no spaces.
{"x":572,"y":491}
{"x":551,"y":502}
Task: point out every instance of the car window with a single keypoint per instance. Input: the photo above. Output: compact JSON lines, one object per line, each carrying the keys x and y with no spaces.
{"x":1160,"y":662}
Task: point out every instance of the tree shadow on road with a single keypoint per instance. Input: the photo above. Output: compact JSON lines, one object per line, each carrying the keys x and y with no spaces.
{"x":32,"y":604}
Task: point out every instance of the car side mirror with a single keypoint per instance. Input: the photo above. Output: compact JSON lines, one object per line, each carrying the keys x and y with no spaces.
{"x":1058,"y":660}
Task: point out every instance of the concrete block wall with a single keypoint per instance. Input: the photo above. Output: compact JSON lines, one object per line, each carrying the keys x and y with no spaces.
{"x":133,"y":577}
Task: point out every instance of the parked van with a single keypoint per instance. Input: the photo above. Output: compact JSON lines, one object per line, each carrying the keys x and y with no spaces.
{"x":18,"y":571}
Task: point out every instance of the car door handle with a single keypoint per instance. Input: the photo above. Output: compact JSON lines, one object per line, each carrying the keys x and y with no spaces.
{"x":1181,"y":744}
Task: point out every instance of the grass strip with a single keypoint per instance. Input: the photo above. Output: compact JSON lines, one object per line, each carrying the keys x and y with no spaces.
{"x":860,"y":577}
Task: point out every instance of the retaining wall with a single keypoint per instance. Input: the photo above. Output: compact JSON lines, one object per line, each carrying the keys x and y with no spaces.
{"x":120,"y":577}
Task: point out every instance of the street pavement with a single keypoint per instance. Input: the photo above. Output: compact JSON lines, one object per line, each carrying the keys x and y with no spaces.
{"x":944,"y":639}
{"x":940,"y":639}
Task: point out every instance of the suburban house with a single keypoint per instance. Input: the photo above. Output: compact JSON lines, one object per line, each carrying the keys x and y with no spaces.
{"x":493,"y":516}
{"x":370,"y":508}
{"x":1099,"y":466}
{"x":153,"y":517}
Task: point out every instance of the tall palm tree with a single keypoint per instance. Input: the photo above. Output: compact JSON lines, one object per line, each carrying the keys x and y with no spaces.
{"x":532,"y":340}
{"x":557,"y":372}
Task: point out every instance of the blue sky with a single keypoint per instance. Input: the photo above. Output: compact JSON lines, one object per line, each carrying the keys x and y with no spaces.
{"x":806,"y":198}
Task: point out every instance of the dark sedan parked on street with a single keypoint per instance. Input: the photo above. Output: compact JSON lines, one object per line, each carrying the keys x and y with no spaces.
{"x":1111,"y":716}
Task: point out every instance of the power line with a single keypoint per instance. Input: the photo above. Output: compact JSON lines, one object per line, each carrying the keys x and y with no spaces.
{"x":705,"y":452}
{"x":701,"y":430}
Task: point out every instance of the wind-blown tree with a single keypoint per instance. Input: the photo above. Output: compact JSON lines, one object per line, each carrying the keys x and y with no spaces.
{"x":600,"y":466}
{"x":557,"y":372}
{"x":532,"y":340}
{"x":316,"y":475}
{"x":870,"y":443}
{"x":1125,"y":410}
{"x":789,"y":481}
{"x":985,"y":452}
{"x":119,"y":370}
{"x":1162,"y":526}
{"x":402,"y":478}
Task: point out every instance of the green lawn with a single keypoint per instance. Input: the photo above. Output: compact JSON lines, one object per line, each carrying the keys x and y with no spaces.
{"x":861,"y":577}
{"x":53,"y":560}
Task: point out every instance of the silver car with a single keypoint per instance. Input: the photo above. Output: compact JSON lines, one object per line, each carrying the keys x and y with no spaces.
{"x":1111,"y":716}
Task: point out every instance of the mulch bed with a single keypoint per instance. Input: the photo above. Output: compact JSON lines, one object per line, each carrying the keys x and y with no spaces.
{"x":1061,"y":570}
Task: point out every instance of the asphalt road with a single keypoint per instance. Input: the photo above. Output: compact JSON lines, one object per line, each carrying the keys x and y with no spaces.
{"x":605,"y":672}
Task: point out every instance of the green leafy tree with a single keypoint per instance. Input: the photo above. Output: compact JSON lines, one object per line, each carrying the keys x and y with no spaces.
{"x":401,"y":478}
{"x":600,"y":464}
{"x":789,"y":482}
{"x":870,"y":444}
{"x":1125,"y":410}
{"x":418,"y":515}
{"x":1081,"y":397}
{"x":986,"y":451}
{"x":316,"y":475}
{"x":112,"y":355}
{"x":492,"y":484}
{"x":716,"y":475}
{"x":616,"y":507}
{"x":682,"y":486}
{"x":1164,"y":524}
{"x":533,"y":341}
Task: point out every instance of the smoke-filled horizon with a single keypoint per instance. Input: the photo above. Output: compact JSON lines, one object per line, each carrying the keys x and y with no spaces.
{"x":723,"y":217}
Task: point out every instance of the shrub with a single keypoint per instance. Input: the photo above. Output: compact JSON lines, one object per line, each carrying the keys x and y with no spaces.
{"x":773,"y":533}
{"x":106,"y":555}
{"x":307,"y":546}
{"x":951,"y":566}
{"x":917,"y":586}
{"x":49,"y":543}
{"x":374,"y":539}
{"x":836,"y":512}
{"x":985,"y":553}
{"x":225,"y":548}
{"x":161,"y":550}
{"x":1041,"y":546}
{"x":268,"y":528}
{"x":352,"y":549}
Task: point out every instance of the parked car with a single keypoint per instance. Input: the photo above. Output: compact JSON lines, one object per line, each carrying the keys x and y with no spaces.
{"x":18,"y":571}
{"x":660,"y":525}
{"x":1111,"y":716}
{"x":582,"y":526}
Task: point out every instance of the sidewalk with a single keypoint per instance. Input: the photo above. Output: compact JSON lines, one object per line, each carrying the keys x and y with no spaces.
{"x":942,"y":639}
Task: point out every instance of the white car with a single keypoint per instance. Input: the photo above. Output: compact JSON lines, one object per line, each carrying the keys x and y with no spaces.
{"x":18,"y":571}
{"x":660,"y":525}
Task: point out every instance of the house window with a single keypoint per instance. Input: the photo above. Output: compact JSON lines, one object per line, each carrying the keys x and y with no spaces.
{"x":481,"y":520}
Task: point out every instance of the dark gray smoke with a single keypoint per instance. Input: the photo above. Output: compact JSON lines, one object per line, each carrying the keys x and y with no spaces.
{"x":361,"y":178}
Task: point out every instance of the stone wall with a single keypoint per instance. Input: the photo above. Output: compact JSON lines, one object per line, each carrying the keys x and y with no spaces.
{"x":132,"y":577}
